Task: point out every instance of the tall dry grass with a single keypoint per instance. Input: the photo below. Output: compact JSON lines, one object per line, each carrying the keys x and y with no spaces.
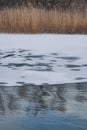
{"x":34,"y":20}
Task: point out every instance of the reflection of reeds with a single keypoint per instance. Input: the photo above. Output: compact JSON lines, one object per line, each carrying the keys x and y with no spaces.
{"x":35,"y":20}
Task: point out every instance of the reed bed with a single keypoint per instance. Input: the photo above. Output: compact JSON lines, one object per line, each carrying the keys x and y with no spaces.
{"x":35,"y":20}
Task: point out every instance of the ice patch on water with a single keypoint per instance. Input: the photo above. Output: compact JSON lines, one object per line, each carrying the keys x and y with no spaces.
{"x":43,"y":59}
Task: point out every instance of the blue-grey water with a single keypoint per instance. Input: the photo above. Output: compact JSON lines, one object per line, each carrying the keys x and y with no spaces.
{"x":39,"y":107}
{"x":25,"y":105}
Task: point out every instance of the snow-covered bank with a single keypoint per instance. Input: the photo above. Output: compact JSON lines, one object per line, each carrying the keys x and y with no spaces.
{"x":65,"y":55}
{"x":44,"y":41}
{"x":70,"y":44}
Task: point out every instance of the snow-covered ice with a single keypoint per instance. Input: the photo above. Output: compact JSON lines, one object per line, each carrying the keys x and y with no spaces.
{"x":46,"y":58}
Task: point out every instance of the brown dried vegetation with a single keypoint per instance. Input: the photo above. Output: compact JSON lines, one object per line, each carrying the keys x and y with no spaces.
{"x":40,"y":20}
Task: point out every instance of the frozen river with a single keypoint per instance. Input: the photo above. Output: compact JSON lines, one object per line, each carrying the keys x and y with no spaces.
{"x":43,"y":82}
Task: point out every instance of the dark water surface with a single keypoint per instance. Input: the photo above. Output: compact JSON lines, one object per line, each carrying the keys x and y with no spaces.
{"x":43,"y":107}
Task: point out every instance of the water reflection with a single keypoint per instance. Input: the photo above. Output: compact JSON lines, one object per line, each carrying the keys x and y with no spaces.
{"x":65,"y":98}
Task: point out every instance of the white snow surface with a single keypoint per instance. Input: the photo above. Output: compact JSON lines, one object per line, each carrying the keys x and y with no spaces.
{"x":61,"y":46}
